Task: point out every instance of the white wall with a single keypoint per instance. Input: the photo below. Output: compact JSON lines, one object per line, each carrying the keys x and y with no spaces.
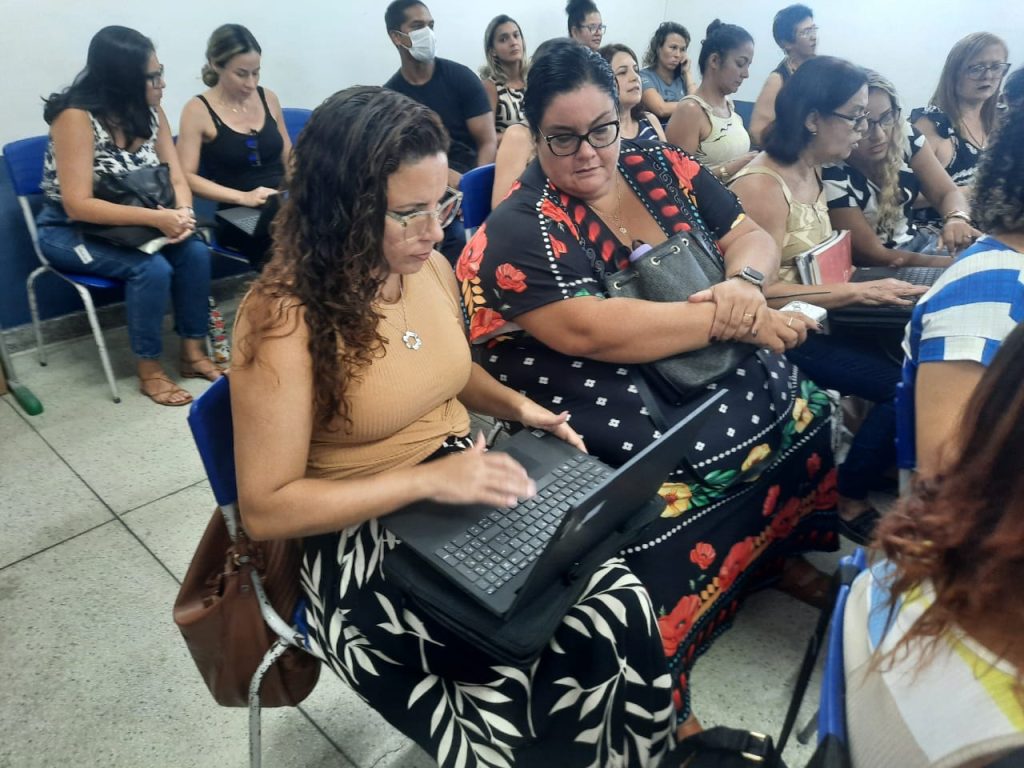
{"x":313,"y":47}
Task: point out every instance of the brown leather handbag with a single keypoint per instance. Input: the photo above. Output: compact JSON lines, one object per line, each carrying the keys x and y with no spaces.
{"x":218,"y":613}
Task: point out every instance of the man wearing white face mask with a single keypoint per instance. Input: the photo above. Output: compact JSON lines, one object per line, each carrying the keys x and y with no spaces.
{"x":448,"y":88}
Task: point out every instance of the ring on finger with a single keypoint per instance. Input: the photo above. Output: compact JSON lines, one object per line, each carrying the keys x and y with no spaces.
{"x":748,"y":316}
{"x":790,"y":323}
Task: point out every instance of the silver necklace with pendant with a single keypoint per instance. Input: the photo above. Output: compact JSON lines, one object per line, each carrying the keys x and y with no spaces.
{"x":410,"y":338}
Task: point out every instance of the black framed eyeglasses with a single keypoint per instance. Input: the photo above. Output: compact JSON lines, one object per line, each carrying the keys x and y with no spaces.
{"x":981,"y":71}
{"x":885,"y":122}
{"x":416,"y":224}
{"x":857,"y":122}
{"x":155,"y":78}
{"x":600,"y":136}
{"x":252,"y":144}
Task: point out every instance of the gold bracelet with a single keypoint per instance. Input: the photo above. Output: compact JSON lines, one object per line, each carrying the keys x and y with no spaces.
{"x":964,"y":215}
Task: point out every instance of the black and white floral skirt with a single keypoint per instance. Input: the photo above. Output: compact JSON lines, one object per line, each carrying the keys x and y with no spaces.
{"x":600,"y":695}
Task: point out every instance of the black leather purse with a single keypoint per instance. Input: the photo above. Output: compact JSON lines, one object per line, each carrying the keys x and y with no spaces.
{"x":673,"y":271}
{"x":148,"y":187}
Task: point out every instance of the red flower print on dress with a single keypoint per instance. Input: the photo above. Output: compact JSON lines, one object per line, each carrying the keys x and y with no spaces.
{"x":684,"y":168}
{"x":468,"y":265}
{"x":675,"y":625}
{"x":735,"y":562}
{"x":557,"y":246}
{"x":770,"y":499}
{"x":828,"y":494}
{"x":786,"y":520}
{"x":813,"y":464}
{"x":702,"y":555}
{"x":510,"y":278}
{"x":485,"y":321}
{"x":555,"y":213}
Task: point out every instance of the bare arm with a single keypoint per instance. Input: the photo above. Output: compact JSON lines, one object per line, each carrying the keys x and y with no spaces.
{"x":273,"y":425}
{"x":481,"y":128}
{"x":941,"y":146}
{"x":278,"y":113}
{"x":656,"y":125}
{"x":941,"y":393}
{"x":868,"y":249}
{"x":688,"y":127}
{"x":764,"y":108}
{"x":512,"y":158}
{"x":74,"y":153}
{"x":946,"y":197}
{"x":653,"y":102}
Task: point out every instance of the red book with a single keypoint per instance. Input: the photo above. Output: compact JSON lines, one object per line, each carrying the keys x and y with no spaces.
{"x":831,"y":261}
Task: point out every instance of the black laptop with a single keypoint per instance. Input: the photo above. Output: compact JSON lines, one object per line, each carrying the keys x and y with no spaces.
{"x":888,"y":315}
{"x":254,"y":222}
{"x":504,"y":558}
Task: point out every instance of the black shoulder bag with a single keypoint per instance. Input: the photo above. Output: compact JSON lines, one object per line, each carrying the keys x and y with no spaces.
{"x":147,"y":187}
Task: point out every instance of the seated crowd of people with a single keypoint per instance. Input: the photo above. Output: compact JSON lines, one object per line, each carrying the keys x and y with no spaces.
{"x":374,"y":328}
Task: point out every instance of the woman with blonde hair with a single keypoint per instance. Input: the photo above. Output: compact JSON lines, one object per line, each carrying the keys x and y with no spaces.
{"x":962,"y":112}
{"x":872,"y":192}
{"x":235,"y":131}
{"x":504,"y":74}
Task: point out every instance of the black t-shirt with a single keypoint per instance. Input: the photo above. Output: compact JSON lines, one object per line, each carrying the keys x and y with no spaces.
{"x":456,"y":95}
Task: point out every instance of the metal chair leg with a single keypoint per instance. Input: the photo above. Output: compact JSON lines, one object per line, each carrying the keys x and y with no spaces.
{"x":101,"y":344}
{"x":33,"y":306}
{"x":805,"y":733}
{"x":275,"y":652}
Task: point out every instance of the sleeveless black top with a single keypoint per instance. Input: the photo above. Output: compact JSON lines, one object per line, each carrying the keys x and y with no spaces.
{"x":244,"y":161}
{"x":783,"y":70}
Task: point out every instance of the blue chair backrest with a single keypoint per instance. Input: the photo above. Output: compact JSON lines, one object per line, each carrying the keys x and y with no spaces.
{"x":832,"y":703}
{"x":744,"y":109}
{"x":476,"y":186}
{"x":295,"y":119}
{"x":209,"y":417}
{"x":24,"y":160}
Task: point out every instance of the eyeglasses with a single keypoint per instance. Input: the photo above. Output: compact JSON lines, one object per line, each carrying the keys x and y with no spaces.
{"x":594,"y":29}
{"x":155,"y":78}
{"x":981,"y":71}
{"x":565,"y":144}
{"x":252,"y":143}
{"x":858,"y":122}
{"x":416,"y":224}
{"x":809,"y":32}
{"x":885,"y":122}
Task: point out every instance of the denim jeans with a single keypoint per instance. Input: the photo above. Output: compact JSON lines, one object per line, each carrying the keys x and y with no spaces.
{"x":181,"y":270}
{"x":853,"y":369}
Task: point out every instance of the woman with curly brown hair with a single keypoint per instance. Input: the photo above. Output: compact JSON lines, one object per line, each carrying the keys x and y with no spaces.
{"x":957,"y":327}
{"x":349,"y":396}
{"x":934,"y":634}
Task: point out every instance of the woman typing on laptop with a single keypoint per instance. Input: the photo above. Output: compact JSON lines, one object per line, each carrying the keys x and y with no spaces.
{"x":349,"y":391}
{"x":235,"y":133}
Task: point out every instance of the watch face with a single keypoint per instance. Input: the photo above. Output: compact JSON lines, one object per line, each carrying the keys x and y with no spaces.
{"x":751,"y":274}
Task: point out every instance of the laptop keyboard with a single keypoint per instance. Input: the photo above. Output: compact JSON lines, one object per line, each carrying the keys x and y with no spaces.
{"x":492,"y":551}
{"x":248,"y":223}
{"x":919,"y":275}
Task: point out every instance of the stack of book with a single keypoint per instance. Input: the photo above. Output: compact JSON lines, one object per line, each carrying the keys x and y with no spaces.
{"x":831,"y":261}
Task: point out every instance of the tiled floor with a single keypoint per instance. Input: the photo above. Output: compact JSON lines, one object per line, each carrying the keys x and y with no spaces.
{"x":101,"y":506}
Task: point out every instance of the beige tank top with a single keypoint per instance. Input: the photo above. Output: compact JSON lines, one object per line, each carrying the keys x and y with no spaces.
{"x":728,"y":138}
{"x":806,"y":226}
{"x":404,"y":404}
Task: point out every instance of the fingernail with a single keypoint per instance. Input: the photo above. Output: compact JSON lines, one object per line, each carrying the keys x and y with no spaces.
{"x":753,"y":333}
{"x":821,"y":327}
{"x":714,"y":338}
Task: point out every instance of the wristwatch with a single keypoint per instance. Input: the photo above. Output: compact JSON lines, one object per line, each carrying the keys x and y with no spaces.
{"x":752,"y":276}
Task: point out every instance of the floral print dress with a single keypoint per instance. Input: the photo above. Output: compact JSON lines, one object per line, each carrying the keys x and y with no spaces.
{"x":758,"y":482}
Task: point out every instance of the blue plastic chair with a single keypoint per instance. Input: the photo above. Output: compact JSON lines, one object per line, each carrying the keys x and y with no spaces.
{"x":745,"y":109}
{"x":476,"y":187}
{"x":906,"y":437}
{"x":832,"y":702}
{"x":209,"y":418}
{"x":24,"y":161}
{"x":295,"y":119}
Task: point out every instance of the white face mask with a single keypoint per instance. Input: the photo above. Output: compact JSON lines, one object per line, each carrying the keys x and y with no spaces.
{"x":424,"y":44}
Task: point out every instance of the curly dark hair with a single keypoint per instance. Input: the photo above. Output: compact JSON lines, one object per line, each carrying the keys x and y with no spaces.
{"x":963,"y":532}
{"x":328,"y":257}
{"x":658,"y":39}
{"x":998,"y":196}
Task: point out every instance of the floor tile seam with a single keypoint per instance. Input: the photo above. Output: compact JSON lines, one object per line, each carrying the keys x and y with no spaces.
{"x":55,"y":544}
{"x":167,"y":495}
{"x":312,"y":721}
{"x":388,"y":754}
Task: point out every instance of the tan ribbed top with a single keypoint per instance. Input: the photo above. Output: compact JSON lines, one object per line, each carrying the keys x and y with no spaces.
{"x":403,"y":406}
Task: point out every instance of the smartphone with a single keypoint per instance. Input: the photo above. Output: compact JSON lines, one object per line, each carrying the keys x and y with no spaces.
{"x":813,"y":311}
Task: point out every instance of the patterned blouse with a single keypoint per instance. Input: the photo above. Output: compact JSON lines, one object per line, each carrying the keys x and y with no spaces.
{"x":108,"y":158}
{"x":846,"y":187}
{"x":509,"y":109}
{"x":965,"y":152}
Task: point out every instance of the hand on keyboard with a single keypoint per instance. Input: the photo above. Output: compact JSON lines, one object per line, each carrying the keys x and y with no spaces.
{"x":477,"y":476}
{"x":533,"y":415}
{"x":888,"y":291}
